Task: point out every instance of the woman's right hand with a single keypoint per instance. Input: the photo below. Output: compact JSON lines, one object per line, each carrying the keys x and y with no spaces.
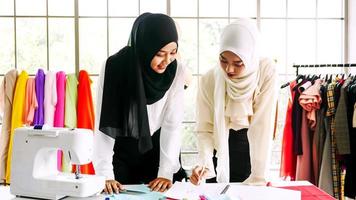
{"x":112,"y":186}
{"x":198,"y":174}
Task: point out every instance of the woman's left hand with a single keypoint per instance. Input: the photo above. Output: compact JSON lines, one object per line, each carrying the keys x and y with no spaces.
{"x":160,"y":184}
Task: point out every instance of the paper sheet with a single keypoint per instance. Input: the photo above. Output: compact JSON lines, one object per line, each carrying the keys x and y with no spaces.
{"x":146,"y":195}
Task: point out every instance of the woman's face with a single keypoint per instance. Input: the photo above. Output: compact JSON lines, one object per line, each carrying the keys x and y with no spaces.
{"x":231,"y":64}
{"x":164,"y":57}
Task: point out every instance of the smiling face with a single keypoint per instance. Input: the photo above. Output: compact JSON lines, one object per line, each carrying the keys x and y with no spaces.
{"x":164,"y":57}
{"x":231,"y":64}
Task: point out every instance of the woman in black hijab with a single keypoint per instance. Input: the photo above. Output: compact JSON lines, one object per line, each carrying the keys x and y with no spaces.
{"x":140,"y":89}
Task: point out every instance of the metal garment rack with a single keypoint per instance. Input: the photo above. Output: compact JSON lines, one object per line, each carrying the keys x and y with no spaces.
{"x":321,"y":65}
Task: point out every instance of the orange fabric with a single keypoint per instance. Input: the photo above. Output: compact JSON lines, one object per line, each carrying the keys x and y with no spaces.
{"x":85,"y":112}
{"x":288,"y":158}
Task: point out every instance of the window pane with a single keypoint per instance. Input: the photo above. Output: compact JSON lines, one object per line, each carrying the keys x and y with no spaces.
{"x":330,"y":8}
{"x":31,"y":44}
{"x":94,"y":86}
{"x":92,"y":7}
{"x":301,"y":43}
{"x":190,"y":99}
{"x":153,"y":6}
{"x":188,"y":48}
{"x":184,"y":8}
{"x":273,"y":8}
{"x":243,"y":8}
{"x":213,"y":8}
{"x":61,"y":8}
{"x":189,"y":142}
{"x":61,"y":45}
{"x":92,"y":44}
{"x":273,"y":33}
{"x":7,"y":50}
{"x":301,"y":8}
{"x":330,"y":42}
{"x":209,"y":38}
{"x":123,"y":8}
{"x":26,"y":7}
{"x":119,"y":33}
{"x":7,"y":7}
{"x":189,"y":155}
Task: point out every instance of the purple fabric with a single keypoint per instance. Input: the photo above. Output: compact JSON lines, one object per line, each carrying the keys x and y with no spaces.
{"x":39,"y":112}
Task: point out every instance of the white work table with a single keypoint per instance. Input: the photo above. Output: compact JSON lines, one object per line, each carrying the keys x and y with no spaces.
{"x":253,"y":191}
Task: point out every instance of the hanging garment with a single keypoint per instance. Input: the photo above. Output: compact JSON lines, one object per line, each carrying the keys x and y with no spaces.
{"x":334,"y":163}
{"x":39,"y":85}
{"x":6,"y":99}
{"x":304,"y":169}
{"x":319,"y":135}
{"x":297,"y":111}
{"x":17,"y":116}
{"x":50,"y":98}
{"x":85,"y":111}
{"x":288,"y":158}
{"x":310,"y":101}
{"x":341,"y":125}
{"x":350,"y":178}
{"x":30,"y":102}
{"x":70,"y":119}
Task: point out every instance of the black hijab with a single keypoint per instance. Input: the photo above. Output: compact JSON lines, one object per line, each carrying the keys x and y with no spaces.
{"x":130,"y":83}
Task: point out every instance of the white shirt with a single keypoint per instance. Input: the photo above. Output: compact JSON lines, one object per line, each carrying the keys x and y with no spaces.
{"x":167,"y":114}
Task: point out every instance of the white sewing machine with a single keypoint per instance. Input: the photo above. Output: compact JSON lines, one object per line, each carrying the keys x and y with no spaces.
{"x":34,"y":163}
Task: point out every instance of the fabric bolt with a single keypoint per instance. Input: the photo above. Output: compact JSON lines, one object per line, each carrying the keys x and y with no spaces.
{"x":30,"y":102}
{"x":17,"y":116}
{"x":71,"y":97}
{"x":6,"y":102}
{"x":50,"y":97}
{"x":39,"y":85}
{"x":85,"y":111}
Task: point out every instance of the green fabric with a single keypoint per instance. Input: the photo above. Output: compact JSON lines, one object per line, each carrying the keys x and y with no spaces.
{"x":70,"y":120}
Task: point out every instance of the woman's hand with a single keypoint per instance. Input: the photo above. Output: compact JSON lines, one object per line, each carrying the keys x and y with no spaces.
{"x":112,"y":186}
{"x":160,"y":184}
{"x":198,"y":174}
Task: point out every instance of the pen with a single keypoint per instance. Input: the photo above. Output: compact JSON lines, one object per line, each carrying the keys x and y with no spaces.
{"x":225,"y":189}
{"x":201,"y":173}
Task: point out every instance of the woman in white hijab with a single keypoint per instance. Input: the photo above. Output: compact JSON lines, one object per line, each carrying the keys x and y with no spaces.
{"x":236,"y":105}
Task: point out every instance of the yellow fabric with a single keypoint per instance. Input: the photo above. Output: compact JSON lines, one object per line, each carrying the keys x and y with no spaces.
{"x":17,"y":115}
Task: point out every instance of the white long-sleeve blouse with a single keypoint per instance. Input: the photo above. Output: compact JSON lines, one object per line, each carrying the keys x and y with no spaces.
{"x":260,"y":130}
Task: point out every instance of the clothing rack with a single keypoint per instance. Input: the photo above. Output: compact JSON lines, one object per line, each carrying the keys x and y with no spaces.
{"x":322,"y":65}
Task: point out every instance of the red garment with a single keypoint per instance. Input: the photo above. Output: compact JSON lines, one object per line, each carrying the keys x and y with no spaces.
{"x":85,"y":112}
{"x":288,"y":158}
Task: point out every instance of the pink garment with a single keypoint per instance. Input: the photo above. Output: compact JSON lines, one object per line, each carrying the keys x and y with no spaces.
{"x":30,"y":102}
{"x":305,"y":86}
{"x":61,"y":90}
{"x":310,"y":100}
{"x":304,"y":170}
{"x":50,"y":98}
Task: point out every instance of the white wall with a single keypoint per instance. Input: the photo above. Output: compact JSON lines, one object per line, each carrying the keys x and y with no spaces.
{"x":352,"y":31}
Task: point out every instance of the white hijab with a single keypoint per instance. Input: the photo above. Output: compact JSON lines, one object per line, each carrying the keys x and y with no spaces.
{"x":240,"y":37}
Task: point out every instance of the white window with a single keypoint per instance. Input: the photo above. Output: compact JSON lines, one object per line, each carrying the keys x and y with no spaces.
{"x":71,"y":35}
